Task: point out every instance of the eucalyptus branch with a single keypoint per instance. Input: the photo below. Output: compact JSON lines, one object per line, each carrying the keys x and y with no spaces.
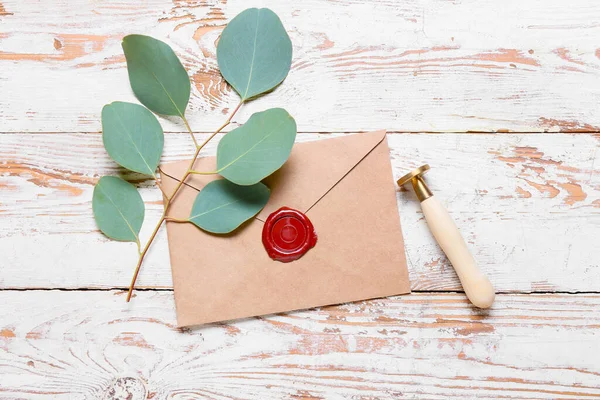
{"x":134,"y":138}
{"x":169,"y":199}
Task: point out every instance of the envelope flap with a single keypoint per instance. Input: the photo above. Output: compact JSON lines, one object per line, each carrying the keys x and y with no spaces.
{"x":312,"y":169}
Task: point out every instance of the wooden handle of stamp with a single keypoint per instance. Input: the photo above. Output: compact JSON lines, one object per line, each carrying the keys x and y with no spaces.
{"x":478,"y":287}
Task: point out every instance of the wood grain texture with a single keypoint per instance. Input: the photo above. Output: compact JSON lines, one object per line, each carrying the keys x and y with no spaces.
{"x":528,"y":205}
{"x":419,"y":65}
{"x":84,"y":345}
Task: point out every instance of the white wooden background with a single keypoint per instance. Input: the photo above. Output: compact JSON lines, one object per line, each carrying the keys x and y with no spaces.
{"x":502,"y":98}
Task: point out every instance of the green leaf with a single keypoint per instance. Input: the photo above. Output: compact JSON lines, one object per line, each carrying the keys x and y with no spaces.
{"x":254,"y":52}
{"x":118,"y":209}
{"x":132,"y":136}
{"x":222,"y":206}
{"x":156,"y":75}
{"x":255,"y":150}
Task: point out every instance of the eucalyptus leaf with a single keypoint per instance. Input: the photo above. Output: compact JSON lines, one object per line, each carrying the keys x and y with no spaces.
{"x":255,"y":150}
{"x":254,"y":52}
{"x":156,"y":75}
{"x":118,"y":209}
{"x":222,"y":206}
{"x":132,"y":136}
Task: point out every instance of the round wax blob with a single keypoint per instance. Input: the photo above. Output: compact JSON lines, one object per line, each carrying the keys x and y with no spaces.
{"x":288,"y":234}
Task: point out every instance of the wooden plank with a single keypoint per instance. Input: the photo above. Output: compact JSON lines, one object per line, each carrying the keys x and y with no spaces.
{"x":92,"y":344}
{"x":529,"y":205}
{"x":421,"y":65}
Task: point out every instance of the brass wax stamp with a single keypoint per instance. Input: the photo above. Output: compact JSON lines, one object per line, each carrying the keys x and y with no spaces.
{"x":477,"y":286}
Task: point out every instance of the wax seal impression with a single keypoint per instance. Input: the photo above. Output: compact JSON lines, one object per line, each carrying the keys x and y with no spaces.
{"x":288,"y":234}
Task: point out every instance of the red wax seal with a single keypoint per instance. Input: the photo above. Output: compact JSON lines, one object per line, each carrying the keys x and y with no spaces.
{"x":288,"y":234}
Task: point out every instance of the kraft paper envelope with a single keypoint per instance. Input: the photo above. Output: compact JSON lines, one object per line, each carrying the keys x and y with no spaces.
{"x":345,"y":186}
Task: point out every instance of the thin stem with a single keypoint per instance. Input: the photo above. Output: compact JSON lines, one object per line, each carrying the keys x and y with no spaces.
{"x":179,"y":220}
{"x":180,"y":183}
{"x":175,"y":191}
{"x":143,"y":253}
{"x":187,"y":125}
{"x":203,"y":172}
{"x":224,"y":125}
{"x":160,"y":187}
